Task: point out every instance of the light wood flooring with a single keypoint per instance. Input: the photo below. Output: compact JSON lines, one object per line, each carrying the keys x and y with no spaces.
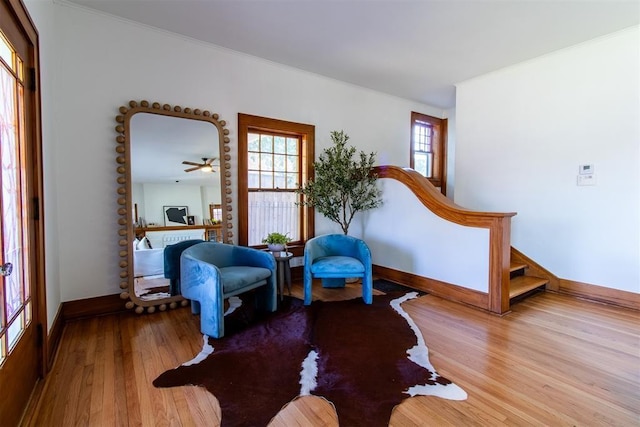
{"x":554,"y":361}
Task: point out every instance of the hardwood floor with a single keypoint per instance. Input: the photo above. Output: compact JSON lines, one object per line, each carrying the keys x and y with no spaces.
{"x":555,"y":360}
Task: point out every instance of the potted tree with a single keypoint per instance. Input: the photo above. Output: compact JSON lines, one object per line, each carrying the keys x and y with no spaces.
{"x":344,"y":184}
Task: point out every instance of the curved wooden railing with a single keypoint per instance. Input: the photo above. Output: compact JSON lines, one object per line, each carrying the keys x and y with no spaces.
{"x":499,"y":225}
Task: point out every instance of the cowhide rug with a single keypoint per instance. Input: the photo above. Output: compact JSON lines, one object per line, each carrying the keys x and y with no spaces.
{"x":365,"y":359}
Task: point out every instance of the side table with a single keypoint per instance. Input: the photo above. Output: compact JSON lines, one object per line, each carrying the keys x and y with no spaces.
{"x":284,"y":270}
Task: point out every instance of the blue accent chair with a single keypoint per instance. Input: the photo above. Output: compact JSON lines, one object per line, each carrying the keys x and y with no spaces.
{"x":172,"y":263}
{"x":211,"y":272}
{"x":334,"y":257}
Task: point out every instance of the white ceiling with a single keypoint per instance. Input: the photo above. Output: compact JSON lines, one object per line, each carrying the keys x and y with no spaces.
{"x":409,"y":48}
{"x":159,"y":144}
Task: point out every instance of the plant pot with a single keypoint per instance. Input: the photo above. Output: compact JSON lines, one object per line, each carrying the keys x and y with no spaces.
{"x":275,"y":247}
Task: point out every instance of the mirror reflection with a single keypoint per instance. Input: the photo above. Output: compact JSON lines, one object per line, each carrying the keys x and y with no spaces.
{"x":175,"y":192}
{"x":174,"y":181}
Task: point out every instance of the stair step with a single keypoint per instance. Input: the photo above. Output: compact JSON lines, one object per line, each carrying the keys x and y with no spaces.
{"x":523,"y":284}
{"x":515,"y":266}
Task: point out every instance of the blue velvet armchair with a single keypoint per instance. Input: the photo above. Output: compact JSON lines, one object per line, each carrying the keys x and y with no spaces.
{"x":334,"y":257}
{"x":172,"y":263}
{"x":212,"y":272}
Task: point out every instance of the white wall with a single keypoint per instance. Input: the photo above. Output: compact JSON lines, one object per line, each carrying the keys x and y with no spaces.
{"x":210,"y":195}
{"x":150,"y":198}
{"x":405,"y":236}
{"x":156,"y":196}
{"x":101,"y":62}
{"x":523,"y":131}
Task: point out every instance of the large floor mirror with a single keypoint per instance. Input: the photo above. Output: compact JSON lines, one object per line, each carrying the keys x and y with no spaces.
{"x":174,"y":184}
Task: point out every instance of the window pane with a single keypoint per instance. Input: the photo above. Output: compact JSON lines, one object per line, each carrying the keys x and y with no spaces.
{"x":27,"y":312}
{"x":280,"y":181}
{"x":266,"y":180}
{"x":279,"y":162}
{"x":6,"y":52}
{"x":292,"y":146}
{"x":292,"y":164}
{"x":422,"y":164}
{"x":273,"y":212}
{"x":266,"y":162}
{"x":254,"y":179}
{"x":19,"y":68}
{"x":3,"y":350}
{"x":15,"y":330}
{"x":253,"y":142}
{"x":254,"y":161}
{"x":11,"y":209}
{"x":292,"y":181}
{"x":266,"y":143}
{"x":279,"y":144}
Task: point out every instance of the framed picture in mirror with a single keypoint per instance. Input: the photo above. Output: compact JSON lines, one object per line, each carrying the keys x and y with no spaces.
{"x":175,"y":215}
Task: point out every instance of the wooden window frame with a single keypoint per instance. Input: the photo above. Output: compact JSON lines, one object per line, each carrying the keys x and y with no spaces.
{"x":439,"y":146}
{"x":247,"y":123}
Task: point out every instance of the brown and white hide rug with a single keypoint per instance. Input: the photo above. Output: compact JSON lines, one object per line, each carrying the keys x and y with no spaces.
{"x":365,"y":359}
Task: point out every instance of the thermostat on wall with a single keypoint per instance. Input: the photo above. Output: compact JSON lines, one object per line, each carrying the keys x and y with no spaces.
{"x":586,"y":169}
{"x":587,"y":179}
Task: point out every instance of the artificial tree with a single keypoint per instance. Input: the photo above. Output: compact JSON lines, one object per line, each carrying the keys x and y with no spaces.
{"x":343,"y":185}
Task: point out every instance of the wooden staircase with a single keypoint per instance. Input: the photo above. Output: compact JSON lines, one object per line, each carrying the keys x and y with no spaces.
{"x":521,"y":284}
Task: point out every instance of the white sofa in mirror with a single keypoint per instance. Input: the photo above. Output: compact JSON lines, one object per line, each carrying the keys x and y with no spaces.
{"x":148,"y":261}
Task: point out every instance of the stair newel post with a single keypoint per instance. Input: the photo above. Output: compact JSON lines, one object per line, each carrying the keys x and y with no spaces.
{"x":499,"y":263}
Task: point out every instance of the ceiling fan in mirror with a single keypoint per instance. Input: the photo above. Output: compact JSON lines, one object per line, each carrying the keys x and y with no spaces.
{"x":205,"y":166}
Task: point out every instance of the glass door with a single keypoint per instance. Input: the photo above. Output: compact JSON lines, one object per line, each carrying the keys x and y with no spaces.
{"x":22,"y":307}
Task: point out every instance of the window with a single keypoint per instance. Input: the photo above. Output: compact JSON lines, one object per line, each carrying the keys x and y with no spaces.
{"x":275,"y":157}
{"x":15,"y":290}
{"x":428,"y":148}
{"x":215,"y":213}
